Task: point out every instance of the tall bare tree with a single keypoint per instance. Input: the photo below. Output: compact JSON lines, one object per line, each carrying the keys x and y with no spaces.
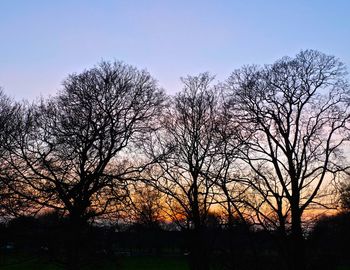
{"x":297,"y":111}
{"x":184,"y":151}
{"x":230,"y":141}
{"x":10,"y":205}
{"x":75,"y":151}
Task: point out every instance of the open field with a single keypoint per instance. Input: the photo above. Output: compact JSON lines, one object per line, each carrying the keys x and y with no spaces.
{"x":127,"y":263}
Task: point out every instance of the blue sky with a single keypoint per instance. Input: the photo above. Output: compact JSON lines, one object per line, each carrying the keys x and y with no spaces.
{"x":42,"y":41}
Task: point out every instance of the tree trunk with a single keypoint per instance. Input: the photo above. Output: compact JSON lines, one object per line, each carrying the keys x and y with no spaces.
{"x":297,"y":248}
{"x":74,"y":243}
{"x":199,"y":256}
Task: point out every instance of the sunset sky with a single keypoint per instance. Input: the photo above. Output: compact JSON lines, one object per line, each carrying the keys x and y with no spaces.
{"x":43,"y":41}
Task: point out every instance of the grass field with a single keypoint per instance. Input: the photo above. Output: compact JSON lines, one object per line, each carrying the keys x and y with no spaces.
{"x":127,"y":263}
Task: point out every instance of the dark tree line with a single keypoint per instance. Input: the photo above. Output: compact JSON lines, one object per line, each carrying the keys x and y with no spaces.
{"x":261,"y":149}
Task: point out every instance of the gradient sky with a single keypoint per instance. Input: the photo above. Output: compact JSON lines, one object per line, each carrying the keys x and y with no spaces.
{"x":43,"y":41}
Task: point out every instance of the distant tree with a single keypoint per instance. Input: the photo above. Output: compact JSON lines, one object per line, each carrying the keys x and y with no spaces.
{"x":297,"y":113}
{"x":147,"y":207}
{"x":75,"y":151}
{"x":345,"y":197}
{"x":184,"y":153}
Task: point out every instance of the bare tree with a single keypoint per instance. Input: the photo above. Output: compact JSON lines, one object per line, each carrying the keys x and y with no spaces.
{"x":10,"y":204}
{"x":184,"y":153}
{"x":75,"y":153}
{"x":297,"y":111}
{"x":230,"y":141}
{"x":147,"y":206}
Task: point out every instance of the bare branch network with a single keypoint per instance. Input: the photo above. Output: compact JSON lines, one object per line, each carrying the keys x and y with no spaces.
{"x":263,"y":148}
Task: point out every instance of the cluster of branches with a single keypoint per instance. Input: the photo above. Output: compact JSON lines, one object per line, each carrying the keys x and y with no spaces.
{"x":262,"y":147}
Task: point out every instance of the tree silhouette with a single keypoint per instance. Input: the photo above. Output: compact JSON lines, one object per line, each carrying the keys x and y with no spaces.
{"x":345,"y":197}
{"x":147,"y":208}
{"x":75,"y":151}
{"x":10,"y":204}
{"x":297,"y":111}
{"x":184,"y":151}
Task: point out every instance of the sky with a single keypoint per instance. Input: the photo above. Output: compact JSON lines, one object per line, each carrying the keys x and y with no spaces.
{"x":43,"y":41}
